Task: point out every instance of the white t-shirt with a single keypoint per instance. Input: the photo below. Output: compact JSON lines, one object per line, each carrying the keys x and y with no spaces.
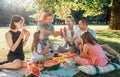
{"x":78,"y":33}
{"x":68,"y":31}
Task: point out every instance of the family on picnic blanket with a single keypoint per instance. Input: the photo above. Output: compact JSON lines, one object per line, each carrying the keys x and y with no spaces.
{"x":89,"y":52}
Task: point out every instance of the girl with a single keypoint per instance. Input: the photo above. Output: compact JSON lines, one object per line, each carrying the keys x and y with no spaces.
{"x":39,"y":46}
{"x":83,"y":26}
{"x":91,"y":51}
{"x":16,"y":40}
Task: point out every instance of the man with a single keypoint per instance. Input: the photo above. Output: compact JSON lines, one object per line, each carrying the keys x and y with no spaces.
{"x":46,"y":27}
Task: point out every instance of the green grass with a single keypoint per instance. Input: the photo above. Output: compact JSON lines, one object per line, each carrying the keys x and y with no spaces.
{"x":110,"y":74}
{"x":109,"y":37}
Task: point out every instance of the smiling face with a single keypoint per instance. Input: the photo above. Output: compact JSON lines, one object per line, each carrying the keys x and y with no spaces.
{"x":69,"y":22}
{"x":48,"y":19}
{"x":18,"y":24}
{"x":82,"y":25}
{"x":41,"y":36}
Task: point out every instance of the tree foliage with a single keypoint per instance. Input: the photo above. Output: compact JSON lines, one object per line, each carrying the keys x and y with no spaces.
{"x":91,"y":7}
{"x":63,"y":7}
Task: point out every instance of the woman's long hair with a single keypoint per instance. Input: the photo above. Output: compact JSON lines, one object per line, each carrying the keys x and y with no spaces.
{"x":88,"y":38}
{"x":35,"y":42}
{"x":15,"y":18}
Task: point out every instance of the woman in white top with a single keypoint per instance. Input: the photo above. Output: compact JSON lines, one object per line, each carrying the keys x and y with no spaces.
{"x":68,"y":33}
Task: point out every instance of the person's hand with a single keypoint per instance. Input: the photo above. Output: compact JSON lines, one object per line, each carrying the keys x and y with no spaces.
{"x":64,"y":31}
{"x":61,"y":30}
{"x":49,"y":50}
{"x":66,"y":39}
{"x":48,"y":43}
{"x":57,"y":33}
{"x":26,"y":33}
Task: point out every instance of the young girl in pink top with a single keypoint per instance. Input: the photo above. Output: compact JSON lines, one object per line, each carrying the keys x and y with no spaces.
{"x":91,"y":52}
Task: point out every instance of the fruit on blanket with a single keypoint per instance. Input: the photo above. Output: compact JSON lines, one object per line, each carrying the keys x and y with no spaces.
{"x":73,"y":55}
{"x":40,"y":65}
{"x":60,"y":59}
{"x":52,"y":65}
{"x":56,"y":54}
{"x":69,"y":55}
{"x":32,"y":70}
{"x":39,"y":62}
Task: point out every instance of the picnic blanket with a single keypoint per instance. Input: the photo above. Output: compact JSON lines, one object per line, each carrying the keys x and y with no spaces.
{"x":61,"y":72}
{"x":12,"y":73}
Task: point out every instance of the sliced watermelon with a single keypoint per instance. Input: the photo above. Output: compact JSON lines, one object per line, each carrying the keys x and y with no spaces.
{"x":32,"y":70}
{"x":51,"y":65}
{"x":69,"y":55}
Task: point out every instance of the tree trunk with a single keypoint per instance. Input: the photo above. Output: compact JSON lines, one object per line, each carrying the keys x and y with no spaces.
{"x":115,"y":15}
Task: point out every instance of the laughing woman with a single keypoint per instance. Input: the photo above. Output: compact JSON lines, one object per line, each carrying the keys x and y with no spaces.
{"x":16,"y":40}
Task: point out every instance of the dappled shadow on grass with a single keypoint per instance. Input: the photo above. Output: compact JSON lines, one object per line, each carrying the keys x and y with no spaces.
{"x":110,"y":74}
{"x":109,"y":33}
{"x":114,"y":45}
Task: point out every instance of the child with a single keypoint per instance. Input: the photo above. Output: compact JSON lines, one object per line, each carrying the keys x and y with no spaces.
{"x":39,"y":47}
{"x":91,"y":51}
{"x":83,"y":26}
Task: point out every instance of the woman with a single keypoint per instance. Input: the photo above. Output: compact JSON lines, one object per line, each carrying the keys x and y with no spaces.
{"x":16,"y":40}
{"x":68,"y":35}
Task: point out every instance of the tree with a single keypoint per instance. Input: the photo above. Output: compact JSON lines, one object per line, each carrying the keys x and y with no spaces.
{"x":91,"y":7}
{"x":115,"y":15}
